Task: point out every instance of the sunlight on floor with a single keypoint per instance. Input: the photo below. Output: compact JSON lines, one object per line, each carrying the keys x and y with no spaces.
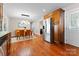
{"x":14,"y":39}
{"x":25,"y":51}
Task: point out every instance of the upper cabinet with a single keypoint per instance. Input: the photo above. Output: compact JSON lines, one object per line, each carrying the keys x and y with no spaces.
{"x":55,"y":15}
{"x":1,"y":10}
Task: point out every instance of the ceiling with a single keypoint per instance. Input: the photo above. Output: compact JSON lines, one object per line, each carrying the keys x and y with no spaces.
{"x":35,"y":10}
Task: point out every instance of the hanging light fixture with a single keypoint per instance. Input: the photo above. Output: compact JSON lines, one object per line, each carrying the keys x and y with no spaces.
{"x":25,"y":15}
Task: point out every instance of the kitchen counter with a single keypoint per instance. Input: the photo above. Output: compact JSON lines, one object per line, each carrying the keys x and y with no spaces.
{"x":3,"y":37}
{"x":2,"y":33}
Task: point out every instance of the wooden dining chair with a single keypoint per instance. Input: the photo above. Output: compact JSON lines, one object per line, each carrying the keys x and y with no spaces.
{"x":29,"y":33}
{"x":22,"y":33}
{"x":17,"y":33}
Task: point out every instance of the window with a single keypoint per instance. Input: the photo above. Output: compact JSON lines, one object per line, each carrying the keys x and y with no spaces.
{"x":23,"y":24}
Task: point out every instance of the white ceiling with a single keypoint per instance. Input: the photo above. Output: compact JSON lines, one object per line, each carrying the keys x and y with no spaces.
{"x":35,"y":10}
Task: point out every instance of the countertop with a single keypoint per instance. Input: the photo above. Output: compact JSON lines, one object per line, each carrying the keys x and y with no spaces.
{"x":2,"y":33}
{"x":3,"y":37}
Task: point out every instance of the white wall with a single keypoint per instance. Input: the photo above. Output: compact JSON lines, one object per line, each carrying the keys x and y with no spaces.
{"x":13,"y":25}
{"x":5,"y":20}
{"x":36,"y":26}
{"x":71,"y":36}
{"x":5,"y":23}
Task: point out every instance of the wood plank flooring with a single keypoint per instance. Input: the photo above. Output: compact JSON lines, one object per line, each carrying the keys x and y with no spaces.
{"x":38,"y":47}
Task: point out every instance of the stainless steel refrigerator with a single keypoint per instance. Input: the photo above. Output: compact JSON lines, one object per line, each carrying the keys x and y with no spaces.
{"x":48,"y":34}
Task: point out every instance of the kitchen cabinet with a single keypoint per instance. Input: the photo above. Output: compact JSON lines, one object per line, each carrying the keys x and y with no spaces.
{"x":58,"y":20}
{"x":5,"y":44}
{"x":57,"y":17}
{"x":3,"y":48}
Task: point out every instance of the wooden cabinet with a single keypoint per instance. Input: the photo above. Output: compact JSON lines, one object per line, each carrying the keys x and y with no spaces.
{"x":58,"y":24}
{"x":4,"y":48}
{"x":57,"y":15}
{"x":1,"y":10}
{"x":5,"y":45}
{"x":58,"y":20}
{"x":8,"y":43}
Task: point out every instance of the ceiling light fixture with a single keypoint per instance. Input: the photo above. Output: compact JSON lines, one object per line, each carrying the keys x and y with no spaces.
{"x":44,"y":10}
{"x":25,"y":15}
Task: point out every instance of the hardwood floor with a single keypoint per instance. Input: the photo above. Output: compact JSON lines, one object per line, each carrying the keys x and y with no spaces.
{"x":38,"y":47}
